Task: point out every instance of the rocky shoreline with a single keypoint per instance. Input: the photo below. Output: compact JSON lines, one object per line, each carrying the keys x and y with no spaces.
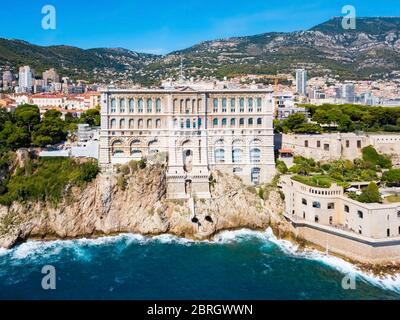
{"x":134,"y":202}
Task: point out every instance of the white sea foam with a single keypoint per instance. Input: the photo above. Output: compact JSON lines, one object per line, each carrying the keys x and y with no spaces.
{"x":388,"y":282}
{"x":40,"y":249}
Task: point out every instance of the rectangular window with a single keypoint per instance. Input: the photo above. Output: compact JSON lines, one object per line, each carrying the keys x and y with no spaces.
{"x":223,"y":104}
{"x":359,"y":144}
{"x":347,"y":144}
{"x":326,"y":147}
{"x":306,"y":143}
{"x":318,"y":144}
{"x":331,"y":206}
{"x":215,"y":105}
{"x":360,"y":214}
{"x":304,"y":201}
{"x":346,"y":209}
{"x":316,"y":204}
{"x":388,"y":232}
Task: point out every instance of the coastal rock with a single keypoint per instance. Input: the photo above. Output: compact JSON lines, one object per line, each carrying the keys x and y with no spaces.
{"x":134,"y":202}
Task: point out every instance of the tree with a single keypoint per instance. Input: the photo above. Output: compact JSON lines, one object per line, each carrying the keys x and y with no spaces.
{"x":295,"y":120}
{"x":4,"y":117}
{"x":392,"y":177}
{"x":50,"y":131}
{"x":371,"y":155}
{"x":13,"y":136}
{"x":27,"y":115}
{"x":370,"y":194}
{"x":345,"y":124}
{"x":281,"y":166}
{"x":308,"y":128}
{"x":91,"y":117}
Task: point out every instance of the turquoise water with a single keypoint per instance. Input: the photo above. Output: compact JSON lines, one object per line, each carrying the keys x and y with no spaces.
{"x":236,"y":265}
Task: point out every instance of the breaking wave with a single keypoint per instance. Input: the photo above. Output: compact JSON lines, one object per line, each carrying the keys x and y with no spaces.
{"x":81,"y":249}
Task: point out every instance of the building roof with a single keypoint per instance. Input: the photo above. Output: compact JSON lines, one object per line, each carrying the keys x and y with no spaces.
{"x":286,"y":150}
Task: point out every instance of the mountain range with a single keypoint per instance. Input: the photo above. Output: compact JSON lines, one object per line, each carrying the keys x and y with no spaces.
{"x":370,"y":51}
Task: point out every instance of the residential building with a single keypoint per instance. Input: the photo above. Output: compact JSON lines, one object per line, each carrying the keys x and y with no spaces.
{"x":50,"y":76}
{"x":25,"y":79}
{"x":301,"y":82}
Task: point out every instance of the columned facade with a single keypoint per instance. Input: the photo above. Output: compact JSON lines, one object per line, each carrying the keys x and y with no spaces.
{"x":201,"y":130}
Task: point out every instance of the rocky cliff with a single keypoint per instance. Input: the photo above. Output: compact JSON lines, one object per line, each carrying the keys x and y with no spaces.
{"x":134,"y":201}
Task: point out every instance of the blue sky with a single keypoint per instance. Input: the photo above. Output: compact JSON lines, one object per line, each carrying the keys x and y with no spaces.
{"x":160,"y":26}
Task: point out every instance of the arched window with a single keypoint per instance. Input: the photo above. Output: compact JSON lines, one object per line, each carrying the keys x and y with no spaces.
{"x":176,"y":123}
{"x":233,"y":122}
{"x":250,"y":121}
{"x":140,"y":105}
{"x":149,"y":106}
{"x":259,"y":121}
{"x":149,"y":123}
{"x":215,"y":122}
{"x":158,"y":106}
{"x":158,"y":123}
{"x":140,"y":123}
{"x":122,"y":124}
{"x":122,"y":105}
{"x":237,"y":170}
{"x":199,"y":122}
{"x":220,"y":155}
{"x":113,"y":123}
{"x":237,"y":155}
{"x":131,"y":124}
{"x":224,"y":122}
{"x":117,"y":147}
{"x":135,"y":142}
{"x":131,"y":105}
{"x":187,"y":123}
{"x":113,"y":105}
{"x":241,"y":122}
{"x":255,"y":155}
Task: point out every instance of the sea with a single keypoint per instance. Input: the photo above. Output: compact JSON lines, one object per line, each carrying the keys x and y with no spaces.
{"x":243,"y":264}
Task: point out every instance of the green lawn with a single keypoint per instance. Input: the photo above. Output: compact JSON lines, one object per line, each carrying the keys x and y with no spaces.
{"x":319,"y":181}
{"x":392,"y":199}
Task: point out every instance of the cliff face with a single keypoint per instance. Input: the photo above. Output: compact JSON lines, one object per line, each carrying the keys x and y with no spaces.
{"x":134,"y":202}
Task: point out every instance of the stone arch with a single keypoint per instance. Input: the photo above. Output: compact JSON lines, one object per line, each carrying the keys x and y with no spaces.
{"x":117,"y":147}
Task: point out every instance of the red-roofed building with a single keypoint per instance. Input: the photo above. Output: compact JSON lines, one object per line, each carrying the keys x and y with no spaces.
{"x":42,"y":100}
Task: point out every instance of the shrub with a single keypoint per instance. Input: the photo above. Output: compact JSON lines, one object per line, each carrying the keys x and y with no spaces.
{"x":370,"y":194}
{"x":371,"y":155}
{"x":47,"y":179}
{"x":281,"y":166}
